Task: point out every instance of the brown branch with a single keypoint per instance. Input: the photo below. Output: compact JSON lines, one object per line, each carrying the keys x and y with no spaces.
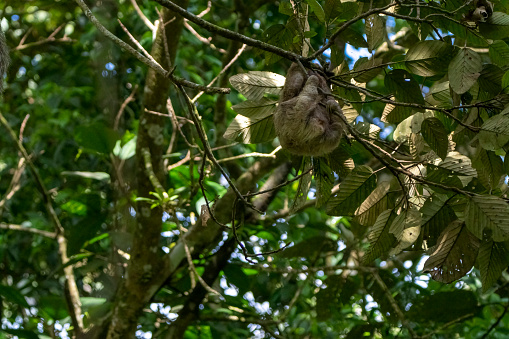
{"x":202,"y":39}
{"x":123,"y":106}
{"x":21,"y":228}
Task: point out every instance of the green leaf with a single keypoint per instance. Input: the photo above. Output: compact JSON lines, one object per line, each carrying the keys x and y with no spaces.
{"x":352,"y":192}
{"x":490,"y":79}
{"x":304,"y":184}
{"x":285,"y":8}
{"x":406,"y":227}
{"x":254,"y":85}
{"x":436,"y":136}
{"x":127,"y":151}
{"x":364,"y":63}
{"x":436,"y":216}
{"x":428,"y":58}
{"x":340,"y":162}
{"x":496,"y":27}
{"x":489,"y":167}
{"x":458,"y":164}
{"x":317,"y":9}
{"x":282,"y":36}
{"x":324,"y":181}
{"x":494,"y":132}
{"x":97,"y":138}
{"x":454,"y":254}
{"x":499,"y":53}
{"x":374,"y":29}
{"x":493,"y":259}
{"x":332,"y":9}
{"x":404,"y":87}
{"x":249,"y":108}
{"x":12,"y":295}
{"x":378,"y":194}
{"x":464,"y":70}
{"x":254,"y":123}
{"x":488,"y":212}
{"x":354,"y":38}
{"x":380,"y":239}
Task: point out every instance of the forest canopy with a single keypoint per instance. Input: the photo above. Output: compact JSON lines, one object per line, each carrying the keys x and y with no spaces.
{"x":254,"y":169}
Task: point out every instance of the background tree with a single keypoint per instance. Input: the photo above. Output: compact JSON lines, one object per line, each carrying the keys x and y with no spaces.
{"x":142,"y":197}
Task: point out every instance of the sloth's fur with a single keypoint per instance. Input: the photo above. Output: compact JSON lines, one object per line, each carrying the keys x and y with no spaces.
{"x":4,"y":59}
{"x":303,"y":120}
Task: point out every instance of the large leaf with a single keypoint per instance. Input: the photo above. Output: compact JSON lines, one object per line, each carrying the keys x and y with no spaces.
{"x":282,"y":36}
{"x":374,"y":198}
{"x":458,"y":164}
{"x":495,"y":131}
{"x":366,"y":69}
{"x":97,"y":137}
{"x":464,"y":70}
{"x":435,"y":135}
{"x":380,"y":239}
{"x":304,"y":184}
{"x":324,"y":178}
{"x":374,"y":29}
{"x":352,"y":191}
{"x":404,"y":87}
{"x":489,"y":168}
{"x":436,"y":216}
{"x":428,"y":58}
{"x":488,"y":212}
{"x":499,"y":53}
{"x":496,"y":27}
{"x":317,"y":9}
{"x":12,"y":295}
{"x":492,"y":260}
{"x":454,"y":254}
{"x":254,"y":85}
{"x":406,"y":227}
{"x":255,"y":124}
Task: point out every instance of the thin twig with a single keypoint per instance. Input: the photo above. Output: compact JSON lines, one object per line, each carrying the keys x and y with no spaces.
{"x":253,"y":154}
{"x":142,"y":16}
{"x":123,"y":106}
{"x":21,"y":228}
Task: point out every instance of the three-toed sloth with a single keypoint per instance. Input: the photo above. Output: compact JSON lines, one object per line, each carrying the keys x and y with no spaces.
{"x":306,"y":119}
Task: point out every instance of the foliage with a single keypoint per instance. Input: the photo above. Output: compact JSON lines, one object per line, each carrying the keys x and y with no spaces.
{"x":136,"y":203}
